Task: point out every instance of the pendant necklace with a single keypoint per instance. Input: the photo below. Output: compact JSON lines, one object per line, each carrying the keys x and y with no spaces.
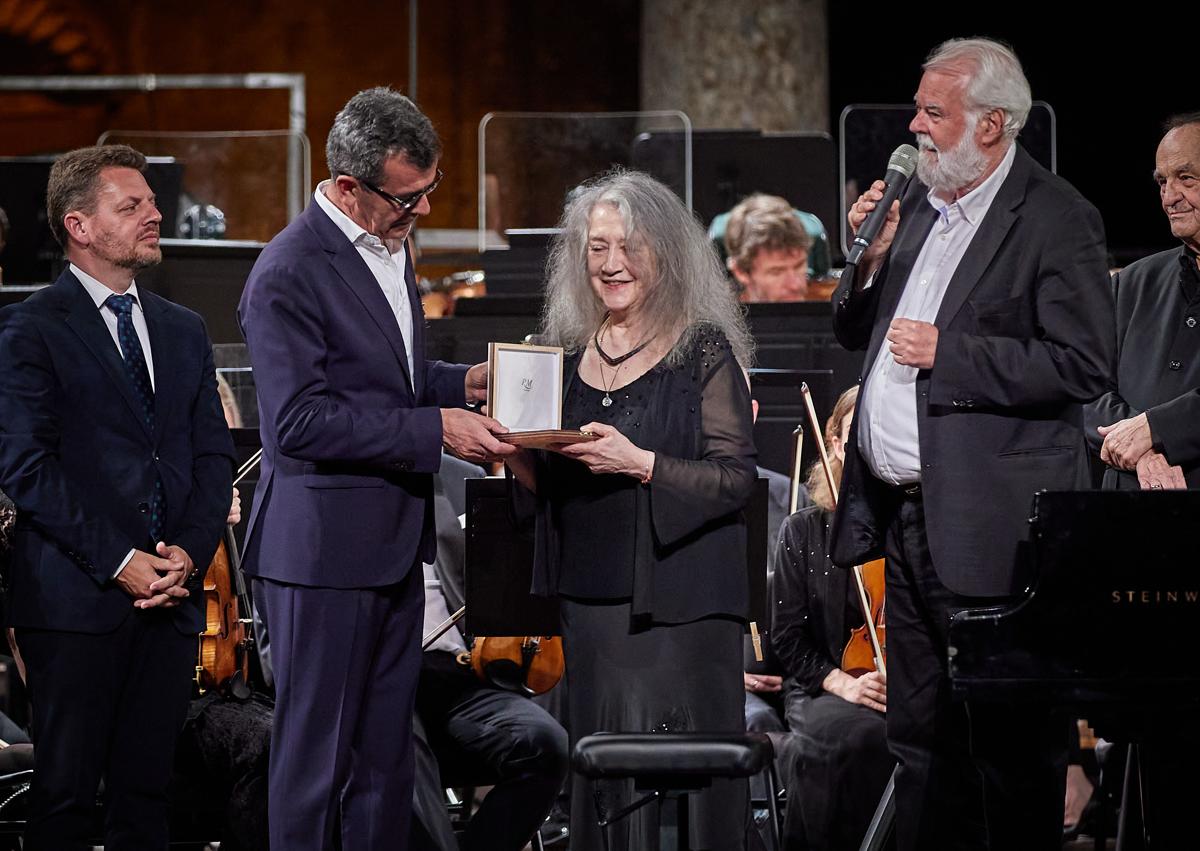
{"x":613,"y":362}
{"x":607,"y":400}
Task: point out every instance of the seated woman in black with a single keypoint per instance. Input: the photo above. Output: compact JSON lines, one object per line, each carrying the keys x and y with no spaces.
{"x":840,"y":757}
{"x":640,"y":533}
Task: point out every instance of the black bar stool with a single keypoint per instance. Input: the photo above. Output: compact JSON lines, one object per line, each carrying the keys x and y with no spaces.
{"x":669,"y":765}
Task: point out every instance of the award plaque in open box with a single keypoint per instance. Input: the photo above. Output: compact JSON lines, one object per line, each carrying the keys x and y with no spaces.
{"x":525,"y":395}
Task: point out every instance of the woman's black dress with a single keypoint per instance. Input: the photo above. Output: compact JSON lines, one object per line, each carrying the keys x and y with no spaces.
{"x":652,"y":578}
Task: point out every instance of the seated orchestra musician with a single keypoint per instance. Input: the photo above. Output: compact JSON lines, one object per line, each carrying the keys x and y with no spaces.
{"x":839,"y":757}
{"x":768,"y":249}
{"x":470,"y":732}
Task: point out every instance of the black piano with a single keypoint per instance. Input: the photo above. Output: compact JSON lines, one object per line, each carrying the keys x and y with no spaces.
{"x":1104,"y":632}
{"x":1111,"y":612}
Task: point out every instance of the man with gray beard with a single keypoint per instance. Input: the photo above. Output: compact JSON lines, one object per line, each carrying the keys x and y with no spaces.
{"x":986,"y":315}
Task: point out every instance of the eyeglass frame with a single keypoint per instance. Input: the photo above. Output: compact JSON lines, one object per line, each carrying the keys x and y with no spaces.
{"x":408,"y":202}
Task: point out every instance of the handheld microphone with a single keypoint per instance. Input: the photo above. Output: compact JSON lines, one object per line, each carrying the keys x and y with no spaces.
{"x":900,"y":167}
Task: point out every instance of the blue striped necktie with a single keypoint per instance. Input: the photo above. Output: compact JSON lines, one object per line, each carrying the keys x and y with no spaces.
{"x":139,"y":375}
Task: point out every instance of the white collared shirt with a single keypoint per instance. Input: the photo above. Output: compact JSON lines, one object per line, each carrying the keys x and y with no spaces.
{"x":887,"y":433}
{"x":100,"y":293}
{"x":386,"y":266}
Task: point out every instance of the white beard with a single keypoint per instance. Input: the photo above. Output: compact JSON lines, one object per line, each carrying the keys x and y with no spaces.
{"x":954,"y":169}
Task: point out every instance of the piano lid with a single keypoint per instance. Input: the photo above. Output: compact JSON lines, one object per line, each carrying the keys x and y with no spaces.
{"x":1112,"y":611}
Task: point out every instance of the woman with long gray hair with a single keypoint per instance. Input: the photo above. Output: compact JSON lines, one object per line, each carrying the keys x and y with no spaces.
{"x":640,"y":531}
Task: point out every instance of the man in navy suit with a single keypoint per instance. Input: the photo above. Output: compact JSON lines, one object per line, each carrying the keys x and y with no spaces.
{"x":115,"y":452}
{"x":353,"y":421}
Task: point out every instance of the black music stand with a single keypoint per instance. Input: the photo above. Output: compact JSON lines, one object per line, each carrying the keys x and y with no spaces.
{"x":781,"y":408}
{"x":499,"y":568}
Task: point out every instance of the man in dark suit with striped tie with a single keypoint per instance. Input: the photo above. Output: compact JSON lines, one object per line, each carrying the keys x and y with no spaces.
{"x":115,"y":451}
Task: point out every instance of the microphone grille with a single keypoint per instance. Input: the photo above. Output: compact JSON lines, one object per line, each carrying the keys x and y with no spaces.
{"x":904,"y":160}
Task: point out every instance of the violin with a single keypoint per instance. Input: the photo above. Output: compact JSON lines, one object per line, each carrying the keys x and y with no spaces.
{"x":865,"y":651}
{"x":529,"y":665}
{"x":227,"y":642}
{"x":859,"y":656}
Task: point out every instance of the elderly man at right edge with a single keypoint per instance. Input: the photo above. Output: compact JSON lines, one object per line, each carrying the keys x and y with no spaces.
{"x":985,"y":311}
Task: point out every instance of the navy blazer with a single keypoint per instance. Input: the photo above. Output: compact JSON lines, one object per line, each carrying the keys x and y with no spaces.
{"x":79,"y":462}
{"x":1025,"y":336}
{"x":350,"y":438}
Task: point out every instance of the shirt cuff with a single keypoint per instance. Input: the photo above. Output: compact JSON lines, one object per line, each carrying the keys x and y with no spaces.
{"x":124,"y":562}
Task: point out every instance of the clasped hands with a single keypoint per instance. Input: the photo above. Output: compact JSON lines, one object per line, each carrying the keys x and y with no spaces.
{"x":1129,"y":445}
{"x":157,"y":581}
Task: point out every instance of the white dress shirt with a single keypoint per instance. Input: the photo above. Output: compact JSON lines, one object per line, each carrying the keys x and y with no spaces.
{"x":887,"y":432}
{"x":99,"y":294}
{"x":386,"y":265}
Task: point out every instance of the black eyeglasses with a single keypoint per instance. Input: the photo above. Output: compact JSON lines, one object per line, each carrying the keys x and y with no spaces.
{"x":404,"y":202}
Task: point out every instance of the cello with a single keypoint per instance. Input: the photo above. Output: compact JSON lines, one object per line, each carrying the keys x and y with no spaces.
{"x":227,"y":643}
{"x":866,"y":649}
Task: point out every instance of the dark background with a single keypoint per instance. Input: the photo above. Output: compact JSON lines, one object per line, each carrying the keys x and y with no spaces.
{"x":1111,"y":79}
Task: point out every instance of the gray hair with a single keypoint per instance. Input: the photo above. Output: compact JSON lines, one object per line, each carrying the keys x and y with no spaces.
{"x":996,"y":79}
{"x":688,"y":288}
{"x":1183,"y":119}
{"x":376,"y":124}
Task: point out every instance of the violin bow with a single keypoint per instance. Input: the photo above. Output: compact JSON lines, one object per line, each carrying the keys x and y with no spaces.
{"x":863,"y":601}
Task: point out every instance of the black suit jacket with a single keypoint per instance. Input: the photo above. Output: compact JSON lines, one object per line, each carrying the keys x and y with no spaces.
{"x":1025,"y":336}
{"x":80,"y":464}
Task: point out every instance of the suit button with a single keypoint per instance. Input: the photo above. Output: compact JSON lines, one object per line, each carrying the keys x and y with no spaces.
{"x":1175,"y":364}
{"x":958,"y":403}
{"x":155,"y":456}
{"x":1191,"y":322}
{"x":144,"y":507}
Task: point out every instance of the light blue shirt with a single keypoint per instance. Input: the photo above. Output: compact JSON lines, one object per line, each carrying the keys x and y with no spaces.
{"x":887,"y":429}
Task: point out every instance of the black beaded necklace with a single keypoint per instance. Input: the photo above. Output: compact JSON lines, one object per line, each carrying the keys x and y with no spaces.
{"x":616,"y":362}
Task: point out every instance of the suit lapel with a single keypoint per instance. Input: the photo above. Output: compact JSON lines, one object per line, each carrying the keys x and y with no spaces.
{"x":993,"y":230}
{"x":84,"y":319}
{"x":418,"y":324}
{"x":352,"y":269}
{"x":158,"y":324}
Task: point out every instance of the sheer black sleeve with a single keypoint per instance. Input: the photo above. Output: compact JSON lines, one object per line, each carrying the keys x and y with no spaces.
{"x":686,"y":493}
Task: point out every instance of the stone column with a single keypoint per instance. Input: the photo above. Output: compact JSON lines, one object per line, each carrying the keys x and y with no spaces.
{"x":758,"y":64}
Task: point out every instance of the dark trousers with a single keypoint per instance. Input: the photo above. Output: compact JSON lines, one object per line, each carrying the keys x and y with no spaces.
{"x":346,"y":662}
{"x":839,"y":767}
{"x":968,"y":777}
{"x":483,"y":736}
{"x":106,"y":706}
